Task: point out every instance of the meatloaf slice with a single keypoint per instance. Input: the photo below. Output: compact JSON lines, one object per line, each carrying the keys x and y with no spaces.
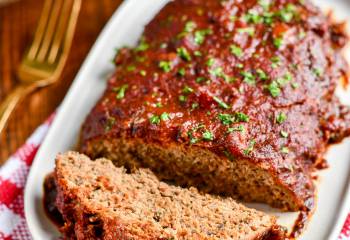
{"x":234,"y":97}
{"x":100,"y":201}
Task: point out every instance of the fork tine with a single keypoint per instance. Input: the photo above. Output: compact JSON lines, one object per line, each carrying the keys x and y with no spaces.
{"x":40,"y":30}
{"x":61,"y":30}
{"x":50,"y":30}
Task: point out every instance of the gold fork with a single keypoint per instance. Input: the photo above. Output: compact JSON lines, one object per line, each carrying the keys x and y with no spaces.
{"x":45,"y":59}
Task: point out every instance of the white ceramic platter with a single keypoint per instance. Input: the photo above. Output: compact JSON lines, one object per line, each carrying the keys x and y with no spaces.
{"x":124,"y":28}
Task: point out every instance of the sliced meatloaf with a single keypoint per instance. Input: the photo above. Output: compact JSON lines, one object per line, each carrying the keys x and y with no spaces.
{"x":100,"y":201}
{"x":233,"y":97}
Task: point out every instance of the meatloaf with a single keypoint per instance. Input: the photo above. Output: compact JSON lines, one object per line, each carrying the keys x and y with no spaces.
{"x":100,"y":201}
{"x":234,"y":97}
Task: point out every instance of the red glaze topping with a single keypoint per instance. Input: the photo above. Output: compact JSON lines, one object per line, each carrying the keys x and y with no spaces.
{"x":250,"y":80}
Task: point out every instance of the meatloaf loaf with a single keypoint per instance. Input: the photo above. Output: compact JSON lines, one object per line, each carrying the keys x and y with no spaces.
{"x":99,"y":201}
{"x":233,"y":97}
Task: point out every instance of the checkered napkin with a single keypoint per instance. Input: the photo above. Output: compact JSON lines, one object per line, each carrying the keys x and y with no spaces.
{"x":12,"y":181}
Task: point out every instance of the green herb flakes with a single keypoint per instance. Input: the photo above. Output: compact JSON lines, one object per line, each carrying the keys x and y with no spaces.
{"x":199,"y":36}
{"x":164,"y":116}
{"x":284,"y":134}
{"x":253,"y":17}
{"x":285,"y":150}
{"x":278,"y":42}
{"x":248,"y":77}
{"x":121,"y":91}
{"x":241,"y":117}
{"x":143,"y":46}
{"x":130,"y":68}
{"x":190,"y":27}
{"x":210,"y":62}
{"x":182,"y":98}
{"x":165,"y":66}
{"x":262,"y":75}
{"x":143,"y":73}
{"x":248,"y":30}
{"x":274,"y":89}
{"x":221,"y":103}
{"x":239,"y":128}
{"x":187,"y":90}
{"x":226,"y":119}
{"x":281,"y":118}
{"x":250,"y":148}
{"x":154,"y":119}
{"x":235,"y":50}
{"x":181,"y":72}
{"x":208,"y":136}
{"x":318,"y":72}
{"x":184,"y":54}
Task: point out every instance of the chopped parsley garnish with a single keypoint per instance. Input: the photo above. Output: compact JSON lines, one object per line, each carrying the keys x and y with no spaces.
{"x":199,"y":36}
{"x":249,"y":30}
{"x":182,"y":72}
{"x":265,"y":4}
{"x":121,"y":91}
{"x":190,"y":27}
{"x":208,"y":136}
{"x":182,"y":98}
{"x":200,"y":79}
{"x":187,"y":90}
{"x":285,"y":79}
{"x":184,"y":54}
{"x":216,"y":72}
{"x":235,"y":50}
{"x":159,"y":104}
{"x":226,"y":119}
{"x":130,"y":68}
{"x":221,"y":103}
{"x":248,"y":77}
{"x":143,"y":46}
{"x":287,"y":13}
{"x":250,"y":148}
{"x":262,"y":75}
{"x":193,"y":140}
{"x":197,"y":53}
{"x":195,"y":105}
{"x":253,"y":17}
{"x":276,"y":61}
{"x":278,"y":42}
{"x":239,"y":65}
{"x":154,"y":119}
{"x":210,"y":62}
{"x":281,"y":118}
{"x":165,"y":66}
{"x":284,"y":134}
{"x":285,"y":150}
{"x":239,"y":128}
{"x":143,"y":73}
{"x":318,"y":72}
{"x":241,"y":117}
{"x":295,"y":85}
{"x":274,"y":89}
{"x":164,"y":116}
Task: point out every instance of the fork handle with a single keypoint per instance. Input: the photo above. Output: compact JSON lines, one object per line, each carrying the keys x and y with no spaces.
{"x":11,"y":101}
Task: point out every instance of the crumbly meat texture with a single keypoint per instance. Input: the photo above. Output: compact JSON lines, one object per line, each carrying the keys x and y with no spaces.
{"x":234,"y":98}
{"x":100,"y":201}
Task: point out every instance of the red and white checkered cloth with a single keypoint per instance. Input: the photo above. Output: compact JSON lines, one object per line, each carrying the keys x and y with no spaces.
{"x":12,"y":181}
